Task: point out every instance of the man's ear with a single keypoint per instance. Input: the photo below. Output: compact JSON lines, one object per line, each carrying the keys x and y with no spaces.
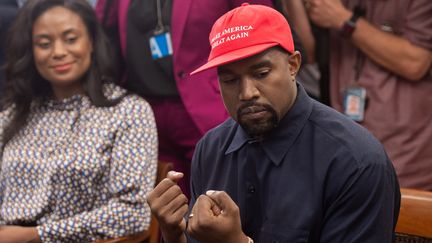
{"x":295,"y":62}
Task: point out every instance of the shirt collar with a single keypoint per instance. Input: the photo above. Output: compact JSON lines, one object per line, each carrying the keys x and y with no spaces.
{"x":277,"y":142}
{"x":79,"y":101}
{"x":239,"y":139}
{"x":74,"y":102}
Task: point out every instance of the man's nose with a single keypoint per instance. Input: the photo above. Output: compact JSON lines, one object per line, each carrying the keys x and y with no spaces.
{"x":248,"y":89}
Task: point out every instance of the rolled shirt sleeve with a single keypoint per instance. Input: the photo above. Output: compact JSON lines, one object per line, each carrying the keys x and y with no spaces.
{"x":417,"y":25}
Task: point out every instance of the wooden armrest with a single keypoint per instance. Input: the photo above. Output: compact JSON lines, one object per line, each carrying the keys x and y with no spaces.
{"x":415,"y":216}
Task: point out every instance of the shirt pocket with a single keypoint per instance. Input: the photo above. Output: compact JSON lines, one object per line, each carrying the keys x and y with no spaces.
{"x":270,"y":234}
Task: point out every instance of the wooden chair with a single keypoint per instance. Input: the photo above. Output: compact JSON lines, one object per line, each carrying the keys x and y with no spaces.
{"x":152,"y":234}
{"x":415,"y":217}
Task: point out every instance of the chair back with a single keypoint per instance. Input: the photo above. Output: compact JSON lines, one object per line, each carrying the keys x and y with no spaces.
{"x":415,"y":217}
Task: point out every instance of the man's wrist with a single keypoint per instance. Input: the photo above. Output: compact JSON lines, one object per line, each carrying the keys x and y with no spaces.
{"x":348,"y":27}
{"x":343,"y":17}
{"x":173,"y":237}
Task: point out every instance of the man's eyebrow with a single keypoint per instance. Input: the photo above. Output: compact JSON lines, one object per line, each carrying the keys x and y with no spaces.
{"x":222,"y":70}
{"x":265,"y":63}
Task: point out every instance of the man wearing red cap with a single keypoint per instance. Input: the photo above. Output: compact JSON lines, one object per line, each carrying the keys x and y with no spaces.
{"x":285,"y":168}
{"x":161,"y":42}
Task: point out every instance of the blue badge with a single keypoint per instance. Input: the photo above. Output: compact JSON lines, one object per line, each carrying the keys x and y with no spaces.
{"x":161,"y":45}
{"x":354,"y":103}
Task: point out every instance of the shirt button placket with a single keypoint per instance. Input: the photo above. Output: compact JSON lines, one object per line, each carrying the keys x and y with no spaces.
{"x":251,"y":189}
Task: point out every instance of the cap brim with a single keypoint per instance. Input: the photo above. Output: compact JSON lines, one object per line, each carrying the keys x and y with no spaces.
{"x":234,"y":56}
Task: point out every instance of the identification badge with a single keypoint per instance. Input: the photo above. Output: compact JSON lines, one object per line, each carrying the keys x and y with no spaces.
{"x":161,"y":45}
{"x":354,"y":103}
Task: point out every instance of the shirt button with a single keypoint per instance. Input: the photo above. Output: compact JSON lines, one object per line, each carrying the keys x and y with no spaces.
{"x":251,"y":189}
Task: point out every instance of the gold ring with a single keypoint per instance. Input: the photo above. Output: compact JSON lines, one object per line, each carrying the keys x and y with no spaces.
{"x":191,"y":215}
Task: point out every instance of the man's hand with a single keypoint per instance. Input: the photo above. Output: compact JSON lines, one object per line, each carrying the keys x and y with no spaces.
{"x":18,"y":234}
{"x":328,"y":13}
{"x":169,"y":205}
{"x":216,"y":218}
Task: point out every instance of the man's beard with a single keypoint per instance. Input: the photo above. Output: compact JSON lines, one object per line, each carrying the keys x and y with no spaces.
{"x":257,"y":128}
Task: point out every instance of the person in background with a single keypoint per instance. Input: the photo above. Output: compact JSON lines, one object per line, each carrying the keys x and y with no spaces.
{"x":8,"y":9}
{"x":162,"y":41}
{"x":309,"y":74}
{"x":77,"y":153}
{"x":380,"y":75}
{"x":284,"y":167}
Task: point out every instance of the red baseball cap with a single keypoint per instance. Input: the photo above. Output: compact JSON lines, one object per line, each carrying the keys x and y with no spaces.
{"x":245,"y":31}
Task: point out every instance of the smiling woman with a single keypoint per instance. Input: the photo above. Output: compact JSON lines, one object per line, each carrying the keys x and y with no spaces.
{"x":77,"y":153}
{"x":62,"y":50}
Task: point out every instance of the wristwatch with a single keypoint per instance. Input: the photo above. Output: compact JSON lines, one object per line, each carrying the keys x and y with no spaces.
{"x":350,"y":25}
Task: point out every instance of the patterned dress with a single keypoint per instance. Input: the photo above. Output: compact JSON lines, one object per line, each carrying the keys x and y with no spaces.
{"x":80,"y":172}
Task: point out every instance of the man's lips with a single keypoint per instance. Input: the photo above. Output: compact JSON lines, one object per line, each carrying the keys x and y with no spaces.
{"x":252,"y":112}
{"x":252,"y":109}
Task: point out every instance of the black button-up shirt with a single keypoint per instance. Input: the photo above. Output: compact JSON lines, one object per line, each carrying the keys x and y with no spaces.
{"x":317,"y":177}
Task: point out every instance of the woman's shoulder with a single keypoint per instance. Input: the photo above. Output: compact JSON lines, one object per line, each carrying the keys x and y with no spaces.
{"x":6,"y":113}
{"x":112,"y":91}
{"x":130,"y":102}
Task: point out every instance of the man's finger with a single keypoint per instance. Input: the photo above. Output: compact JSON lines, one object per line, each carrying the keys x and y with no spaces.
{"x":164,"y":201}
{"x":171,"y":205}
{"x":174,"y":175}
{"x":222,"y":199}
{"x":160,"y":189}
{"x":172,"y":178}
{"x":175,"y":216}
{"x":203,"y":205}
